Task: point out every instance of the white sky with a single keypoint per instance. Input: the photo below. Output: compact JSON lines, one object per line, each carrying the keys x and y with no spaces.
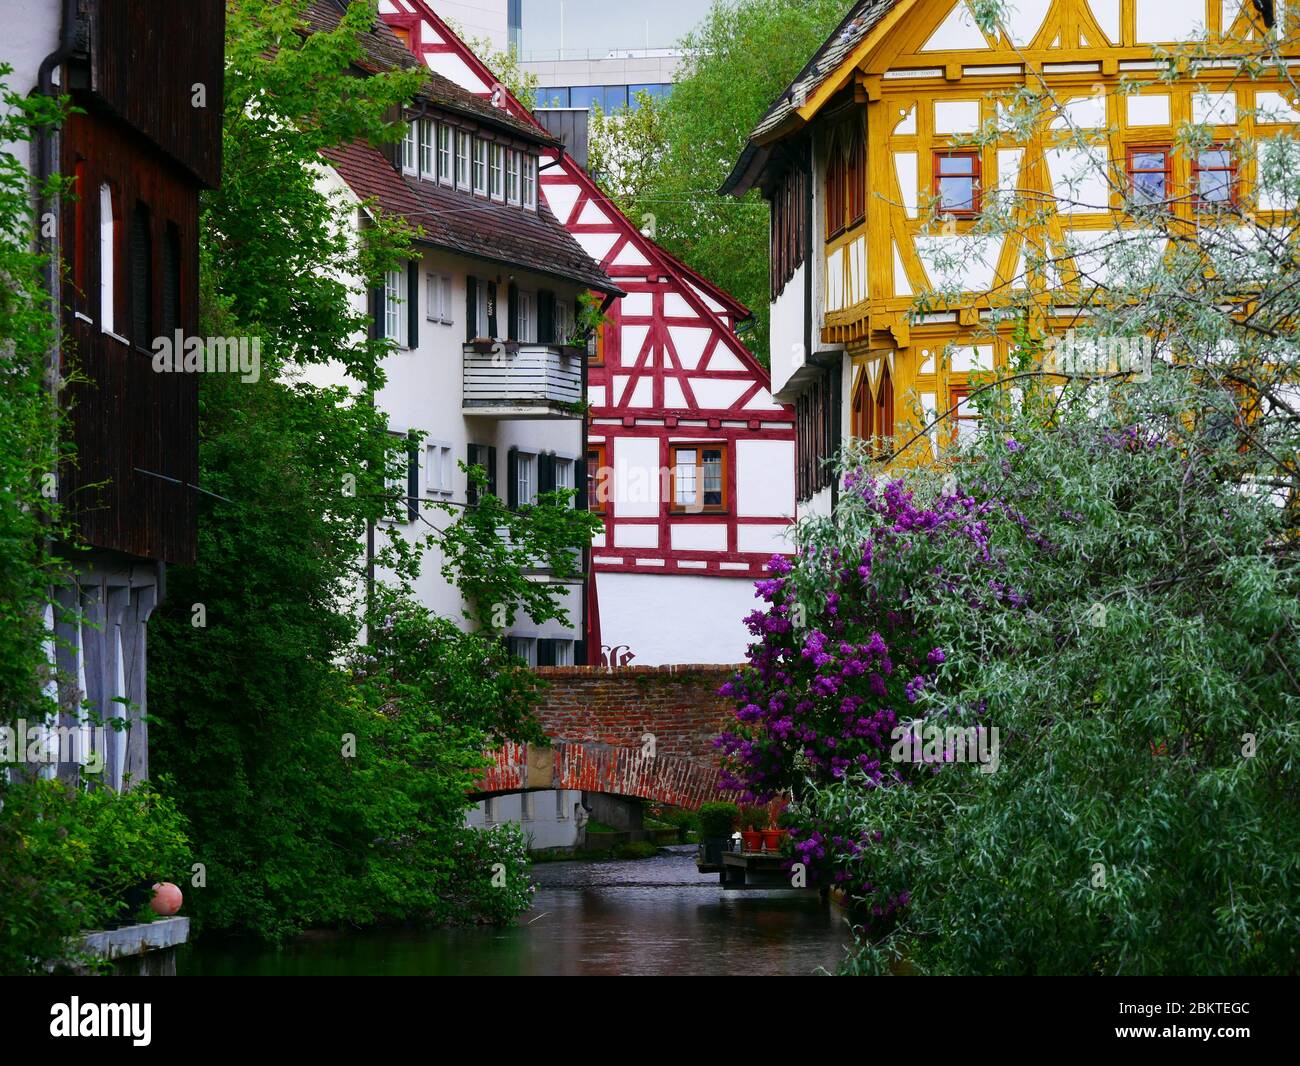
{"x":600,"y":25}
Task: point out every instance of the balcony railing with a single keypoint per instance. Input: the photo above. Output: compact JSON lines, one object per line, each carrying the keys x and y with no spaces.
{"x":508,"y":380}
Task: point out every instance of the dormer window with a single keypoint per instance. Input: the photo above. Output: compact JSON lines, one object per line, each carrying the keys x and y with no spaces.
{"x":409,"y":149}
{"x":428,"y":160}
{"x":480,"y":167}
{"x":462,"y":160}
{"x":497,"y":172}
{"x":444,"y":154}
{"x":529,"y":171}
{"x":512,"y":177}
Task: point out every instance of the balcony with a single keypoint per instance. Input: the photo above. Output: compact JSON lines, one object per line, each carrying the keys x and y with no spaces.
{"x":517,"y":381}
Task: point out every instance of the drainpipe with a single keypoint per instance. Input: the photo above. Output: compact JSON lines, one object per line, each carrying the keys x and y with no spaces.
{"x":46,"y":165}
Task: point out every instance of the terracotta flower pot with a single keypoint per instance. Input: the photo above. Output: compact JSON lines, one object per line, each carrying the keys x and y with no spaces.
{"x":752,"y":839}
{"x":772,"y":839}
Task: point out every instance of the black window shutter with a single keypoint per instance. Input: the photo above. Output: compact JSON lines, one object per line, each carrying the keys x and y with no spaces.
{"x":377,"y":297}
{"x":546,"y":318}
{"x":412,"y":479}
{"x":545,"y":473}
{"x":171,"y":281}
{"x":580,"y":480}
{"x":512,"y":315}
{"x":471,"y":490}
{"x":492,"y":309}
{"x":579,"y":653}
{"x":512,"y":479}
{"x":471,"y":307}
{"x":546,"y":653}
{"x":492,"y":471}
{"x":413,"y":304}
{"x":141,"y":278}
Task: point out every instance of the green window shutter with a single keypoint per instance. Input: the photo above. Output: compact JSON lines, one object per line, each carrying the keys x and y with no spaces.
{"x":471,"y":308}
{"x":492,"y":472}
{"x":545,"y":473}
{"x":512,"y":479}
{"x":512,"y":313}
{"x":471,"y":459}
{"x":546,"y":653}
{"x":412,"y":479}
{"x":580,"y":475}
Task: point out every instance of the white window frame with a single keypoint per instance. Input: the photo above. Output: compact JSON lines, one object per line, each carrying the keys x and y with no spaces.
{"x":563,"y":321}
{"x":526,"y":486}
{"x":528,"y":172}
{"x":464,"y":157}
{"x":439,"y":468}
{"x":410,"y":150}
{"x":512,"y":177}
{"x":480,"y":167}
{"x":428,"y":150}
{"x":563,"y":650}
{"x":107,"y":258}
{"x":481,"y":310}
{"x":497,"y":173}
{"x":524,"y":648}
{"x":438,"y":299}
{"x":527,"y":325}
{"x":394,"y":320}
{"x":565,"y":478}
{"x":445,"y":161}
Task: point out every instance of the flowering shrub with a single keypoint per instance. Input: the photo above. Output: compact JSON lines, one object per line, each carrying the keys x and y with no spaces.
{"x":842,"y":660}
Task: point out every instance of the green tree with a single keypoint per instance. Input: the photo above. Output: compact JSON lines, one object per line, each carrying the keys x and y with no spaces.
{"x":669,"y":162}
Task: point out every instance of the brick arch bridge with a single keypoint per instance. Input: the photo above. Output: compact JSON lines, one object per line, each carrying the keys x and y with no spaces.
{"x":644,"y":732}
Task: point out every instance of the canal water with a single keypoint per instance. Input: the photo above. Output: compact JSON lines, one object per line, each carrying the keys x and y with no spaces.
{"x":651,"y":916}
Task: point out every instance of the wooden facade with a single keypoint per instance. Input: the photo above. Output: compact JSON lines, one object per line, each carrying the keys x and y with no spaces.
{"x":149,"y":89}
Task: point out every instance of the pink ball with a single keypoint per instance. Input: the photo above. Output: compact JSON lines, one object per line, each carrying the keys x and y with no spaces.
{"x":166,"y":900}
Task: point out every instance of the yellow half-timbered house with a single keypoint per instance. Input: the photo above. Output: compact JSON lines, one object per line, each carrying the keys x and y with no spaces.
{"x":882,"y":156}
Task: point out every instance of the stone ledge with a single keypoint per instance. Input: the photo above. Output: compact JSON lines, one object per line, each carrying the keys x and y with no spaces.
{"x":637,"y":671}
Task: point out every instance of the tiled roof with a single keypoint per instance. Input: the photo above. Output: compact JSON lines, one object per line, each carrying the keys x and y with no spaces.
{"x":862,"y":18}
{"x":469,"y":225}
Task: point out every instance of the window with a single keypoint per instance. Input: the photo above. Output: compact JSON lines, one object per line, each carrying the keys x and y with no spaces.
{"x":485,"y":456}
{"x":846,"y":190}
{"x":598,"y":356}
{"x":409,"y":148}
{"x":524,"y":648}
{"x":462,"y":160}
{"x":512,"y":177}
{"x":142,"y":332}
{"x":1150,"y":175}
{"x":497,"y":173}
{"x":525,"y":806}
{"x":428,"y":151}
{"x":699,"y":478}
{"x":563,"y":469}
{"x":491,"y":809}
{"x":965,"y":419}
{"x":527,"y":318}
{"x":444,"y":154}
{"x":563,"y":322}
{"x":480,"y":167}
{"x":171,"y":280}
{"x":561,"y":805}
{"x":587,"y":96}
{"x":393,"y":306}
{"x":552,"y":97}
{"x":438,"y":470}
{"x":789,"y":229}
{"x":530,"y":182}
{"x":402,"y":485}
{"x":1214,"y":178}
{"x":598,"y":479}
{"x":957,"y":183}
{"x":107,"y":260}
{"x":816,"y":436}
{"x":437,"y":299}
{"x":525,"y":479}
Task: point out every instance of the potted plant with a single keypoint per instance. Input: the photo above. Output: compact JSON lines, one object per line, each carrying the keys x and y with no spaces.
{"x":774,"y":835}
{"x":717,"y":820}
{"x":752,"y":821}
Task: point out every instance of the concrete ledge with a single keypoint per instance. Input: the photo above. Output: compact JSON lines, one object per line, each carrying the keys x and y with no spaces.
{"x":136,"y":939}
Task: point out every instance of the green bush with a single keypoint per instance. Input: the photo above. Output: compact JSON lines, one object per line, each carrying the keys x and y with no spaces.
{"x":754,"y":818}
{"x":718,"y":819}
{"x":70,"y":858}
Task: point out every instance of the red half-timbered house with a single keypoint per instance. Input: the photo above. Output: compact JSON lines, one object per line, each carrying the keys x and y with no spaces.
{"x":689,"y":459}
